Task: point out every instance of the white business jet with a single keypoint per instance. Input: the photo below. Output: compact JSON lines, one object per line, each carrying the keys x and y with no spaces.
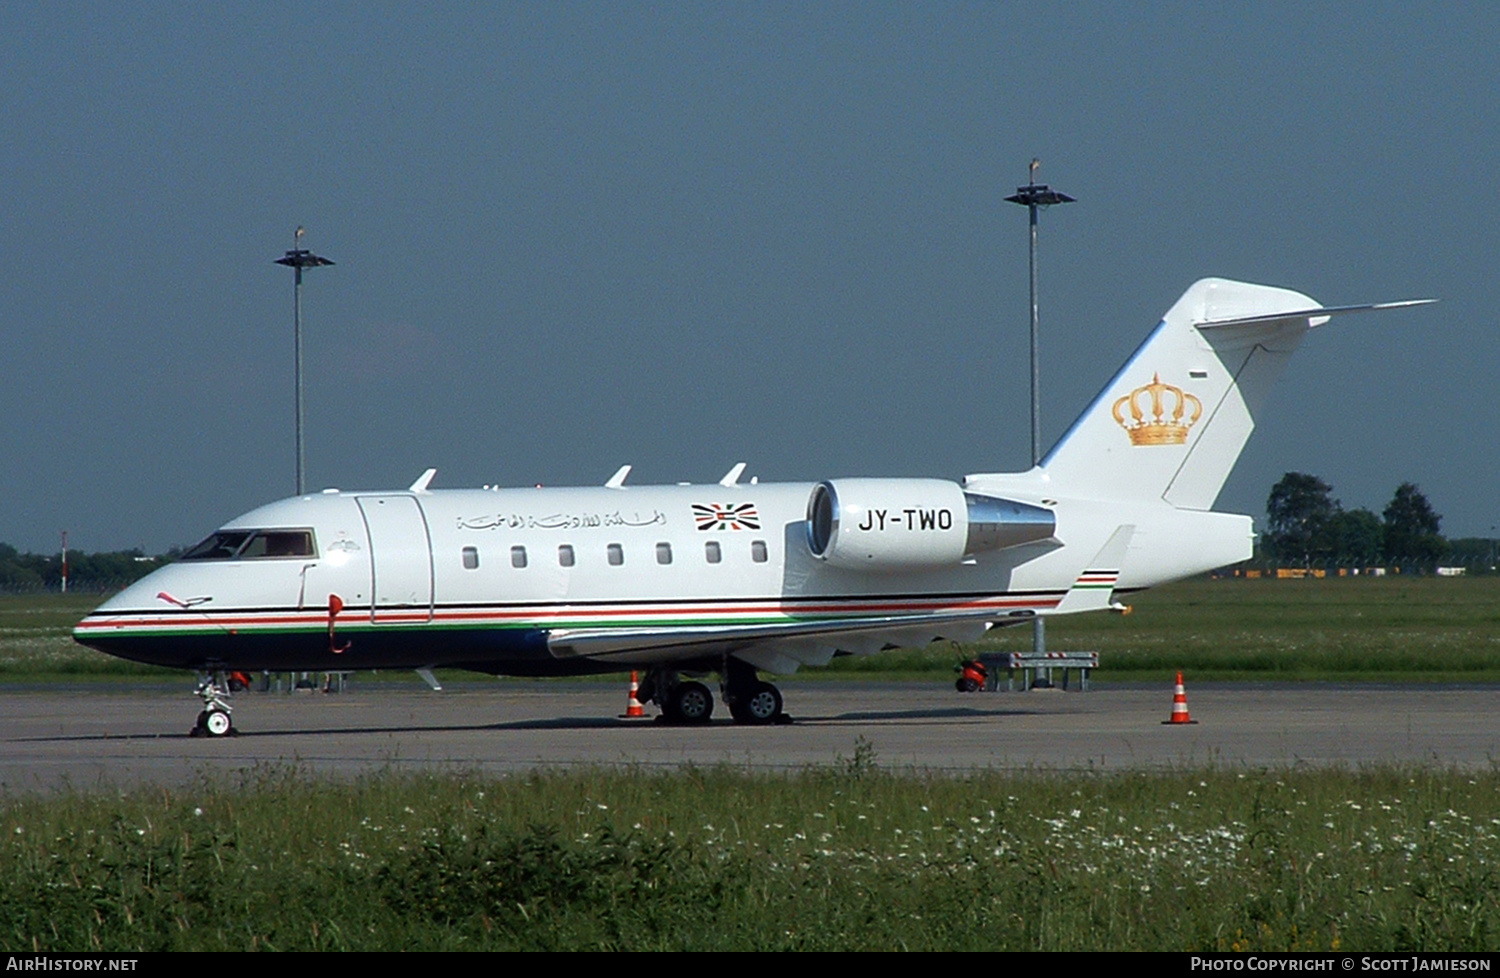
{"x":735,"y":578}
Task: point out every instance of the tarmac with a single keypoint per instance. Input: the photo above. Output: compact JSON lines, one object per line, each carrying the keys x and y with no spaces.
{"x":95,"y":736}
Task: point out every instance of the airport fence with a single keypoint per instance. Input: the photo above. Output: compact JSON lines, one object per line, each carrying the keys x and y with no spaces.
{"x":1317,"y":570}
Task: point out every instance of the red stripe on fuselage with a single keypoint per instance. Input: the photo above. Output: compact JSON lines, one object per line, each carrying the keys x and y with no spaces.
{"x":547,"y":614}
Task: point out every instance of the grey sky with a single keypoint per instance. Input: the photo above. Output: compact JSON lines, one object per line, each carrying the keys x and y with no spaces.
{"x":571,"y":236}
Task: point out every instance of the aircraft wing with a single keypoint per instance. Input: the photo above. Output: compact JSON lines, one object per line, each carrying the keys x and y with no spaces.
{"x":657,"y":645}
{"x":784,"y":645}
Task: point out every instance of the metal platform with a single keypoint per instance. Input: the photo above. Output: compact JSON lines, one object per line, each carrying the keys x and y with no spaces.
{"x":1036,"y":668}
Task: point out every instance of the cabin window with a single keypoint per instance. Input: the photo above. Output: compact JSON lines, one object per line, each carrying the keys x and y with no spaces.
{"x":616,"y":554}
{"x":565,"y":555}
{"x":712,"y":552}
{"x":471,"y":558}
{"x":518,"y":556}
{"x":663,"y":553}
{"x":758,"y":551}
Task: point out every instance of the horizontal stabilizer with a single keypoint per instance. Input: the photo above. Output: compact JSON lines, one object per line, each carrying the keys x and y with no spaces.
{"x":1320,"y":313}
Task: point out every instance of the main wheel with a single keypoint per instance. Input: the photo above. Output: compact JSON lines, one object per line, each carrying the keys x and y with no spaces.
{"x":691,"y":703}
{"x":760,"y":704}
{"x":217,"y":723}
{"x":967,"y":685}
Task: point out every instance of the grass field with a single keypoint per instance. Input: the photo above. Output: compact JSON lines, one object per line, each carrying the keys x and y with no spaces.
{"x":1397,"y":628}
{"x":1405,"y":628}
{"x":36,"y":640}
{"x":842,"y":858}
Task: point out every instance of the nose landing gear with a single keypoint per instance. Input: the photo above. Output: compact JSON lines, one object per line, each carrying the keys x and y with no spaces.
{"x":214,"y":720}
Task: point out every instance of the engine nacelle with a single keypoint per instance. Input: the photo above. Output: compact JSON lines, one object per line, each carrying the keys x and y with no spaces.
{"x":911,"y":524}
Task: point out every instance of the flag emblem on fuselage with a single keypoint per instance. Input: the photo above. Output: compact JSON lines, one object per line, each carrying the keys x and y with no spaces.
{"x":725,"y":516}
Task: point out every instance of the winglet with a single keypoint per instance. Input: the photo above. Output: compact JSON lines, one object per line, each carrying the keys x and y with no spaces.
{"x":423,"y":481}
{"x":617,"y":481}
{"x":732,"y":477}
{"x":1096,"y":585}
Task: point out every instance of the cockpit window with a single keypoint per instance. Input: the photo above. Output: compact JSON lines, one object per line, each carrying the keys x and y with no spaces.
{"x":254,"y":545}
{"x":278,"y":543}
{"x":219,"y":546}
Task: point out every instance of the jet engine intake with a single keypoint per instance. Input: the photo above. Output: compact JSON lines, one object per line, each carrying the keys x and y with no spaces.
{"x":910,"y":524}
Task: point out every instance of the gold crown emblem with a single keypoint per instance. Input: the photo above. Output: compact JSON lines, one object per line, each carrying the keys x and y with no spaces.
{"x":1160,"y":429}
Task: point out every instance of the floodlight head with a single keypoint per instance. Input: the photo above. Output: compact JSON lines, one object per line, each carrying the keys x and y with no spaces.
{"x":1039,"y":195}
{"x":302,"y":258}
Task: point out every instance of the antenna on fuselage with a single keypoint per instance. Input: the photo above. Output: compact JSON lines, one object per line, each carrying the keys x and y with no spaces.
{"x":617,"y":481}
{"x":423,"y":481}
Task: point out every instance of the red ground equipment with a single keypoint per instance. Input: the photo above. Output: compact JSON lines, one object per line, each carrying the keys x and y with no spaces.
{"x":972,"y":676}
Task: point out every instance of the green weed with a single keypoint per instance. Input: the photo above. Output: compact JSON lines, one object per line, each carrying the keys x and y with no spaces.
{"x":849,"y":857}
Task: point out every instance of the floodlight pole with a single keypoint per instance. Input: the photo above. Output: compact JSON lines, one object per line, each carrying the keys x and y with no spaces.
{"x":297,"y":259}
{"x":1034,"y":196}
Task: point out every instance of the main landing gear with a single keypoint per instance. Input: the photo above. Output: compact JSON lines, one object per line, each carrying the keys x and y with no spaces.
{"x":750,"y":700}
{"x":214,"y":720}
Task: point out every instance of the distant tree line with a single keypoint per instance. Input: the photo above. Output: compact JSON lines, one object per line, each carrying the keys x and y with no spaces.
{"x":1307,"y":527}
{"x":86,"y":571}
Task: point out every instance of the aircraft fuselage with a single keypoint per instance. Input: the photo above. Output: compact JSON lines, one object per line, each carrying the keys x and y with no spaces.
{"x":480,"y":579}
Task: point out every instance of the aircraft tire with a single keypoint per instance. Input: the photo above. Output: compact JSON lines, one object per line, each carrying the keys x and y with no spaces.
{"x":690,"y":703}
{"x":758,"y":706}
{"x":216,"y":723}
{"x":967,"y":685}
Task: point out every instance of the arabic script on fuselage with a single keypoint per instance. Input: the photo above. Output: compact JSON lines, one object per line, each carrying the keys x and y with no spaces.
{"x":560,"y":521}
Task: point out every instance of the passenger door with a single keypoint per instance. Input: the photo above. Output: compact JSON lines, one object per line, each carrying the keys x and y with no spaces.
{"x":400,"y":559}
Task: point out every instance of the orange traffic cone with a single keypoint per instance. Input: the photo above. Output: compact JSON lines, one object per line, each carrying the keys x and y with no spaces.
{"x":1179,"y":705}
{"x":633,"y":709}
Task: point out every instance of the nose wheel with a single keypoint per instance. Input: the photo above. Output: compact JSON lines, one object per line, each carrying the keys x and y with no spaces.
{"x":214,"y":720}
{"x":213,"y":723}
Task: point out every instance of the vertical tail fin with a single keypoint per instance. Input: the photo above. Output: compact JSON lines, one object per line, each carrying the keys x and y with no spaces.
{"x":1172,"y":422}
